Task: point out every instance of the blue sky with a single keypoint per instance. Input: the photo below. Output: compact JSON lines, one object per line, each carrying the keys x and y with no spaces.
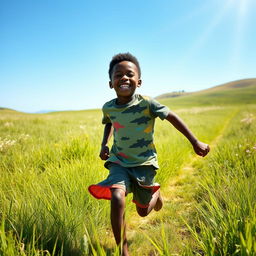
{"x":54,"y":54}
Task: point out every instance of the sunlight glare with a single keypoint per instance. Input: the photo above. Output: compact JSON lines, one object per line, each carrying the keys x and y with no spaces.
{"x":242,"y":8}
{"x":201,"y":41}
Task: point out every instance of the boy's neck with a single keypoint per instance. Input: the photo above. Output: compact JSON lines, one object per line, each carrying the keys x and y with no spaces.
{"x":124,"y":100}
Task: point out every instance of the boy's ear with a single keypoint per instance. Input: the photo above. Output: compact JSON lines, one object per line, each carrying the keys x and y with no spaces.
{"x":139,"y":83}
{"x":110,"y":85}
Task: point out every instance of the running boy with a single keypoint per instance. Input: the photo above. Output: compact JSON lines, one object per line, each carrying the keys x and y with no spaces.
{"x":132,"y":161}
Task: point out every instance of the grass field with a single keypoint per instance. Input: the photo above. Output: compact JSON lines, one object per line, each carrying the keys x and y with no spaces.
{"x":47,"y":162}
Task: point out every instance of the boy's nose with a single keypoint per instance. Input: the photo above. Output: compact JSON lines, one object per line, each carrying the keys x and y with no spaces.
{"x":124,"y":78}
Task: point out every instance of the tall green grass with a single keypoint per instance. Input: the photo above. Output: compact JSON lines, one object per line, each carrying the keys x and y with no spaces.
{"x":226,"y":219}
{"x":47,"y":162}
{"x":219,"y":218}
{"x":45,"y":171}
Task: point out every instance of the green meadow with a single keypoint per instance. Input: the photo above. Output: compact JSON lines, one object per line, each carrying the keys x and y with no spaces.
{"x":48,"y":160}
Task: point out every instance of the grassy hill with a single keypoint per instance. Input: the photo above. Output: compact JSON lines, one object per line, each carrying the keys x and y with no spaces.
{"x":6,"y":109}
{"x":236,"y":92}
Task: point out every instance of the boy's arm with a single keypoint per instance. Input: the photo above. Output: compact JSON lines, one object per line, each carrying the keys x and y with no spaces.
{"x":108,"y":131}
{"x":200,"y":148}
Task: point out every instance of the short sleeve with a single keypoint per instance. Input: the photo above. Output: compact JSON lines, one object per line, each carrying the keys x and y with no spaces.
{"x":158,"y":110}
{"x":105,"y":118}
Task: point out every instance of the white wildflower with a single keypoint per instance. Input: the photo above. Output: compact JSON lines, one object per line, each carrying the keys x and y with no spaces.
{"x":248,"y":119}
{"x":6,"y":143}
{"x":24,"y":136}
{"x":83,"y":127}
{"x":8,"y":124}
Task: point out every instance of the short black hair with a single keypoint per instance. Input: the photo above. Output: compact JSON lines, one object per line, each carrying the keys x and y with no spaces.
{"x":123,"y":57}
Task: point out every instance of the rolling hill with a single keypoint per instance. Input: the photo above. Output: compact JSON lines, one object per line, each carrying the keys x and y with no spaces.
{"x":9,"y":110}
{"x":236,"y":92}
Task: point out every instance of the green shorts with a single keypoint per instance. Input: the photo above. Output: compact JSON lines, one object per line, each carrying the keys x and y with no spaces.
{"x":138,"y":180}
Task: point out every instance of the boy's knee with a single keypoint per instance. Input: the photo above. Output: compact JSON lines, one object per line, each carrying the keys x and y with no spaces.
{"x":118,"y":196}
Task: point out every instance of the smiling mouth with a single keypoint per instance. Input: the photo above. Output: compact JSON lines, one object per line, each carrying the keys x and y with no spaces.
{"x":124,"y":86}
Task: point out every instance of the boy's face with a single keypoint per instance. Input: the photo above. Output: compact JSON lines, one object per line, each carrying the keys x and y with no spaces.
{"x":125,"y":79}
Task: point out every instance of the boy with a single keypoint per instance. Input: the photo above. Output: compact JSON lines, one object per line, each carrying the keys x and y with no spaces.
{"x":132,"y":161}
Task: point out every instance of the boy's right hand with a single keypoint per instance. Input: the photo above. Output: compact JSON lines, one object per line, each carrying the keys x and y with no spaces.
{"x":104,"y":153}
{"x":201,"y":149}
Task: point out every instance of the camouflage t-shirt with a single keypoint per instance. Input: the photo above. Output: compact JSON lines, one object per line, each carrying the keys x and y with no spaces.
{"x":133,"y":130}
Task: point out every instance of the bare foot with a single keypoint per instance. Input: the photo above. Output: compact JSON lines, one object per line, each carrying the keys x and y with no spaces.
{"x":159,"y":203}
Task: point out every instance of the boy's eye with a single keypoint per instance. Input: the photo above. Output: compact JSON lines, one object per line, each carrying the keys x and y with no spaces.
{"x":130,"y":74}
{"x":118,"y":75}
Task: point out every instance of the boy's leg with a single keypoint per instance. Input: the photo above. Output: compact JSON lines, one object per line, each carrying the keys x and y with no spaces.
{"x":155,"y":203}
{"x":117,"y":218}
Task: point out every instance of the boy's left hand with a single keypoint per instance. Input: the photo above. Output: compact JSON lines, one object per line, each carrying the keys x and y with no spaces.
{"x":104,"y":153}
{"x":201,"y":148}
